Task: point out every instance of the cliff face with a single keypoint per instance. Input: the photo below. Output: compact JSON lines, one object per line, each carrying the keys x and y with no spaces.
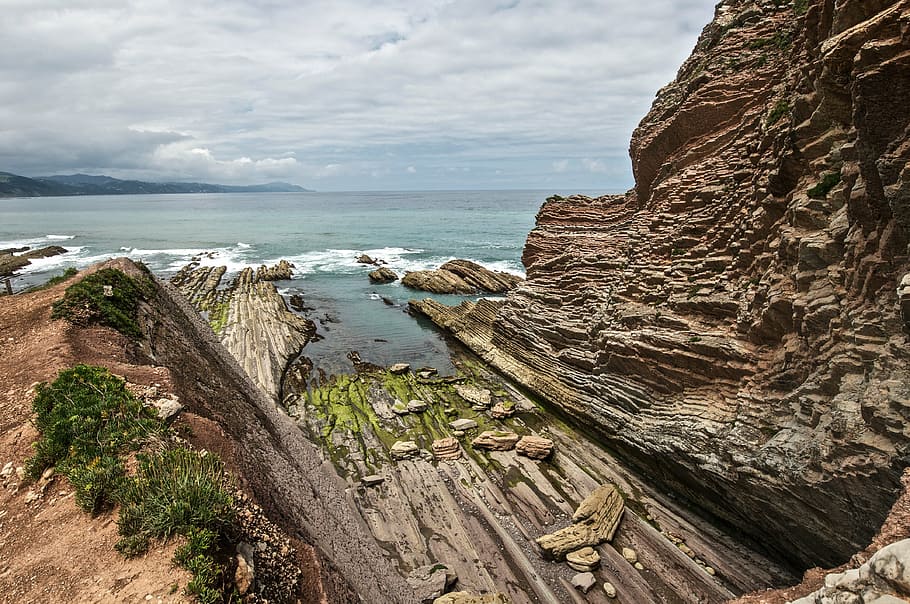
{"x":732,"y":326}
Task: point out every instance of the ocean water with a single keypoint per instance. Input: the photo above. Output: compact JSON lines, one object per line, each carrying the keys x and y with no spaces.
{"x":322,"y":234}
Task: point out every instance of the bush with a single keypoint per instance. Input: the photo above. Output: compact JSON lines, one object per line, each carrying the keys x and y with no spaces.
{"x":180,"y":492}
{"x":86,"y":418}
{"x":84,"y":303}
{"x":780,"y":109}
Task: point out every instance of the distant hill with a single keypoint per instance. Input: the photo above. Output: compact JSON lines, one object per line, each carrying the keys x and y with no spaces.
{"x":13,"y":185}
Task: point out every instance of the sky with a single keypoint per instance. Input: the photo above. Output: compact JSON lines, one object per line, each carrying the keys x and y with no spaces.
{"x":338,"y":94}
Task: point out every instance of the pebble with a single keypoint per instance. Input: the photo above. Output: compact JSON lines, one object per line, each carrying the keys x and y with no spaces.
{"x":639,"y":566}
{"x":629,"y":554}
{"x":609,"y":589}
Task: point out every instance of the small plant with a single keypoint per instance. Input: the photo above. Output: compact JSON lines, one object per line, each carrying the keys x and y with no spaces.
{"x":180,"y":492}
{"x":108,"y":297}
{"x":86,"y":418}
{"x":824,"y":186}
{"x":780,"y":109}
{"x":800,"y":7}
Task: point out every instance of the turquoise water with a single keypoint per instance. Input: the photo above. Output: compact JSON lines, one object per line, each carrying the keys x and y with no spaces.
{"x":321,"y":233}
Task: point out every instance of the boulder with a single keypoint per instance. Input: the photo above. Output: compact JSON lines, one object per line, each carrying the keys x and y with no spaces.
{"x":280,"y":272}
{"x":495,"y":441}
{"x":167,"y":408}
{"x":404,"y":449}
{"x":503,"y":410}
{"x":476,"y":397}
{"x":583,"y":582}
{"x":583,"y":560}
{"x":399,"y":368}
{"x":364,"y":259}
{"x":383,"y":275}
{"x":594,"y":522}
{"x":535,"y":447}
{"x":431,"y":581}
{"x":462,"y":425}
{"x":446,"y":449}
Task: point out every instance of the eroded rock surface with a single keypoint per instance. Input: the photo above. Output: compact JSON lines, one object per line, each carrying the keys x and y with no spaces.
{"x":250,"y":318}
{"x":732,"y":326}
{"x":13,"y":259}
{"x":383,"y":275}
{"x":594,"y":522}
{"x":461,"y":277}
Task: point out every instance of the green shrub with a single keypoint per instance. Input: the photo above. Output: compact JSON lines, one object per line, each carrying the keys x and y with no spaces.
{"x":180,"y":492}
{"x":86,"y":418}
{"x":780,"y":109}
{"x":800,"y":7}
{"x":84,"y":302}
{"x":824,"y":186}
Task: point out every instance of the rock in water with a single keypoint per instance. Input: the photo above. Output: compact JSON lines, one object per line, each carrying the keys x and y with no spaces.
{"x":495,"y":441}
{"x":431,"y":581}
{"x":383,"y":275}
{"x":10,"y":263}
{"x":399,"y":368}
{"x":583,"y":560}
{"x":535,"y":447}
{"x":583,"y":582}
{"x":364,"y":259}
{"x":280,"y":272}
{"x":460,"y":277}
{"x":594,"y":522}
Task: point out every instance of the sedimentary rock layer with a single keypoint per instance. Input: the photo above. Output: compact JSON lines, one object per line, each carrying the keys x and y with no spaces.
{"x":732,"y":325}
{"x":250,"y":318}
{"x":461,"y":277}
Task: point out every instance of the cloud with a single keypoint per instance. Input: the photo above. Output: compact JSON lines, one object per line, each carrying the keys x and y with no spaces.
{"x":524,"y":89}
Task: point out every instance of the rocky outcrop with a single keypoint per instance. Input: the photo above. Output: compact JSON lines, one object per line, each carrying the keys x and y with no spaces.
{"x":732,"y":326}
{"x":883,"y":579}
{"x":383,"y":275}
{"x":461,"y":277}
{"x":594,"y":522}
{"x":13,"y":259}
{"x":535,"y":447}
{"x":250,"y":318}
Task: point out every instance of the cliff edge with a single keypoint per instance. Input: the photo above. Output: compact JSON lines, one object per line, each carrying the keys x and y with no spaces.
{"x":733,"y":326}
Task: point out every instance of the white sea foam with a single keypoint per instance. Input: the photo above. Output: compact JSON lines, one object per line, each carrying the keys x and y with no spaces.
{"x":243,"y":245}
{"x":59,"y":237}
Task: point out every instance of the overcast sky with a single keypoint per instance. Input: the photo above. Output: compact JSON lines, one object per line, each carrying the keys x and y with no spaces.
{"x":338,"y":94}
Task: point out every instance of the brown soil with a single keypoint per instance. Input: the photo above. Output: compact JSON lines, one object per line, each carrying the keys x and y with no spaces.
{"x":50,"y":550}
{"x":895,"y":528}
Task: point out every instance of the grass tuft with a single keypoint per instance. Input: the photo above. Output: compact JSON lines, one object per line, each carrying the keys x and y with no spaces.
{"x":824,"y":186}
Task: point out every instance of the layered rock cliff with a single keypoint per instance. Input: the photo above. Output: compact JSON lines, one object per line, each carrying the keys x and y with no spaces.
{"x":732,"y":326}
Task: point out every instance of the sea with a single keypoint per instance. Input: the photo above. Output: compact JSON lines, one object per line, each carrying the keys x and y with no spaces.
{"x":322,"y":234}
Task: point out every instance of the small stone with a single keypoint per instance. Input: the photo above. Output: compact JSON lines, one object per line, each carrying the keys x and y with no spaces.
{"x":639,"y":566}
{"x":710,"y":570}
{"x":404,"y":449}
{"x":168,"y":408}
{"x":609,"y":589}
{"x":629,"y":554}
{"x":32,"y":496}
{"x":7,"y":470}
{"x":416,"y":406}
{"x":463,"y":424}
{"x":400,"y":408}
{"x":583,"y":560}
{"x":502,"y":410}
{"x":583,"y":582}
{"x":372,"y":480}
{"x":457,"y":433}
{"x":399,"y":368}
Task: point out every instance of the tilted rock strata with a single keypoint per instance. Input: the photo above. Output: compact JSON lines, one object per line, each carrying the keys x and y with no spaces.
{"x":383,"y":275}
{"x":250,"y":318}
{"x":10,"y":262}
{"x":732,"y":326}
{"x":495,"y":441}
{"x":461,"y":277}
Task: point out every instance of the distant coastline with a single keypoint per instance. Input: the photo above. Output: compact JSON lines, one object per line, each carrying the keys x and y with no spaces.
{"x":13,"y":185}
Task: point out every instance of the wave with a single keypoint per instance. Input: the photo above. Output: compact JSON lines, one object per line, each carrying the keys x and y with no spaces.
{"x":59,"y":237}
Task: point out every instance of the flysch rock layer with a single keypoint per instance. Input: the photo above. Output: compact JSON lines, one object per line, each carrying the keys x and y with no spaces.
{"x":732,"y":325}
{"x":250,"y":318}
{"x":461,"y":277}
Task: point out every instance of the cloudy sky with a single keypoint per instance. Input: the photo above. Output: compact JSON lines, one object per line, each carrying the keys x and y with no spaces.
{"x":337,"y":94}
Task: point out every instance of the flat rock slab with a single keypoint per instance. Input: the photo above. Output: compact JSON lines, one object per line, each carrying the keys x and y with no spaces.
{"x":583,"y":560}
{"x":462,"y":425}
{"x":495,"y":441}
{"x":446,"y":449}
{"x":476,"y":397}
{"x":535,"y":447}
{"x":404,"y":449}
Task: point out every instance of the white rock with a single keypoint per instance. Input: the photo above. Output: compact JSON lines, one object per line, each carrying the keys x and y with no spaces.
{"x":584,"y":582}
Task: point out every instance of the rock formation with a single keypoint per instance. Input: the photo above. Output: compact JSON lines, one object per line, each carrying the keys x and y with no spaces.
{"x":733,"y":325}
{"x":13,"y":259}
{"x":594,"y":522}
{"x":461,"y":277}
{"x":383,"y":275}
{"x":495,"y":440}
{"x":250,"y":318}
{"x":535,"y":447}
